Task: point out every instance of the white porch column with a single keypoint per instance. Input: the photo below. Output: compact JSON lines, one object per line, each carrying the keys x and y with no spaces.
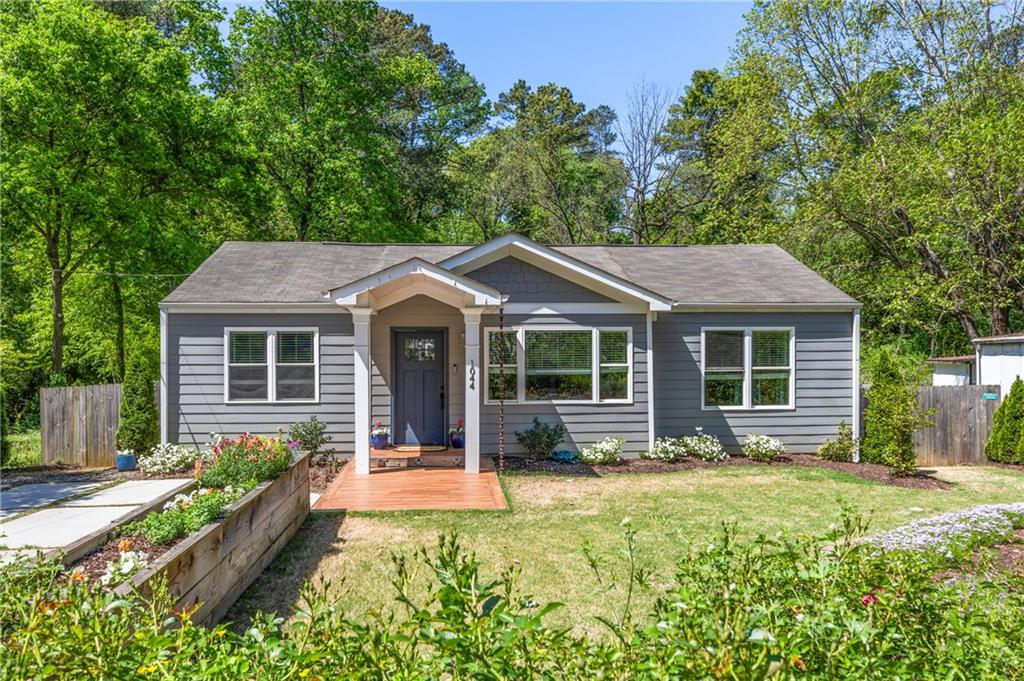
{"x":474,"y":380}
{"x":361,"y":399}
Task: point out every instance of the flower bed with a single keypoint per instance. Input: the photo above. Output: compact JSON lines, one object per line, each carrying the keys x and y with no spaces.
{"x":954,"y":532}
{"x":210,"y":568}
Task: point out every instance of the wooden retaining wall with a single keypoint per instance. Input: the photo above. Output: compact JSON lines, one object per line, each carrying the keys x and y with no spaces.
{"x":961,"y":424}
{"x":215,"y":565}
{"x":77,"y":424}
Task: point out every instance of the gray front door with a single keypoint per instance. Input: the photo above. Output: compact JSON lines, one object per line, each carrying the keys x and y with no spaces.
{"x":419,"y":387}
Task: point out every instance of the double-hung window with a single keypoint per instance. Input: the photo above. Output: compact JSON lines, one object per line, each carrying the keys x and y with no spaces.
{"x":271,"y":365}
{"x":559,"y":364}
{"x":747,"y":368}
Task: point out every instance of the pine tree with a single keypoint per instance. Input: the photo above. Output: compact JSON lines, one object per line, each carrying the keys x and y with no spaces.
{"x":1006,"y":443}
{"x":138,"y":429}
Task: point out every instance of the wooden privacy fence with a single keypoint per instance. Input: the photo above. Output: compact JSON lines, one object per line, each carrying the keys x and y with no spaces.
{"x":961,"y":424}
{"x":77,"y":424}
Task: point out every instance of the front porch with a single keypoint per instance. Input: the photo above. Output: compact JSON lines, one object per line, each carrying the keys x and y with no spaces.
{"x":416,"y":362}
{"x":414,"y":488}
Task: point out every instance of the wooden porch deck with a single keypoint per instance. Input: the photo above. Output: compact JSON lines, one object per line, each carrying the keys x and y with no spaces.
{"x":406,"y":489}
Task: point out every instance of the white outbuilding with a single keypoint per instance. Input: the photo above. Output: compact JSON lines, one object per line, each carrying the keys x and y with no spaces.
{"x":999,"y":360}
{"x":954,"y":370}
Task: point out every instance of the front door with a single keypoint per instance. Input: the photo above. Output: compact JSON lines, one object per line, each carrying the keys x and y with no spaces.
{"x":419,"y":386}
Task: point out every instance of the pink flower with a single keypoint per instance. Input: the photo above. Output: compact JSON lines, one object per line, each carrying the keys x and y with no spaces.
{"x":868,"y":600}
{"x":294,"y":444}
{"x":462,"y":422}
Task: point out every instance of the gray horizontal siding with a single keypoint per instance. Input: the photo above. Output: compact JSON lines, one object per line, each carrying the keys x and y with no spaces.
{"x":824,"y":347}
{"x":586,"y":423}
{"x":526,"y":283}
{"x":195,"y":386}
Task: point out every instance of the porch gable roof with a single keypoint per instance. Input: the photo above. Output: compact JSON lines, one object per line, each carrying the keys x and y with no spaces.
{"x":410,"y":277}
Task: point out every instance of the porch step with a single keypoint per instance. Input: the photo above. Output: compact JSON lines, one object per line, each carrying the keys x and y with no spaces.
{"x":387,"y":458}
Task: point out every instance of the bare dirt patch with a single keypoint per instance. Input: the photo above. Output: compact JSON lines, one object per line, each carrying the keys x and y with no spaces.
{"x":866,"y":471}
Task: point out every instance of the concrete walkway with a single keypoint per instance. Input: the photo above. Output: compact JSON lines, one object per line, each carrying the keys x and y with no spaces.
{"x":65,"y":516}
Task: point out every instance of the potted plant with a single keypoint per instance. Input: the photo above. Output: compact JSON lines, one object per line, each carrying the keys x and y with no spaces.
{"x":125,"y":460}
{"x":457,"y":434}
{"x":379,"y":436}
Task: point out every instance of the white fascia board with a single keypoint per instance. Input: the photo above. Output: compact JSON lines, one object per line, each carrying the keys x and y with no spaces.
{"x":513,"y":244}
{"x":766,"y":307}
{"x":348,"y":294}
{"x":241,"y":308}
{"x":999,"y":340}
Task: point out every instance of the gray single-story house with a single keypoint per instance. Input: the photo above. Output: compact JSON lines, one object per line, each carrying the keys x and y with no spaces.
{"x":633,"y":341}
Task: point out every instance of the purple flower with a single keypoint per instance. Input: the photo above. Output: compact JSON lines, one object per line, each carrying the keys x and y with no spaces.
{"x":294,"y":444}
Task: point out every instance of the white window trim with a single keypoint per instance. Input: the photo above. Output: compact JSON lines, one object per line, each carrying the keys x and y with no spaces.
{"x":748,"y":359}
{"x":520,"y":367}
{"x":272,"y":362}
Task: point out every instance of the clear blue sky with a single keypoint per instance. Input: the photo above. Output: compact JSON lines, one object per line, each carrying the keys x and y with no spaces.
{"x":596,"y":49}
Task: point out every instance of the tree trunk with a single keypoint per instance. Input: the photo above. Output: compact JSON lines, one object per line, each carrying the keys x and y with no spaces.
{"x":57,"y":287}
{"x":115,"y":285}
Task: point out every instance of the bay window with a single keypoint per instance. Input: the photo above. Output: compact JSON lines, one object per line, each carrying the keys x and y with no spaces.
{"x":747,"y":368}
{"x":271,"y":365}
{"x":559,"y":364}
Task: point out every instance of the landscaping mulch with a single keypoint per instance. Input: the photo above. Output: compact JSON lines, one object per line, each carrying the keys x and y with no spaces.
{"x":322,"y":474}
{"x":95,"y":564}
{"x":36,"y":474}
{"x":866,"y":471}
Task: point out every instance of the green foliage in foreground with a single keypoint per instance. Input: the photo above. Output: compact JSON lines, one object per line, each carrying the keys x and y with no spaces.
{"x":1006,"y":444}
{"x":827,"y":606}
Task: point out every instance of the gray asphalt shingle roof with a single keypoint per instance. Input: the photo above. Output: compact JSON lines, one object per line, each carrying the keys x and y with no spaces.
{"x":299,"y":272}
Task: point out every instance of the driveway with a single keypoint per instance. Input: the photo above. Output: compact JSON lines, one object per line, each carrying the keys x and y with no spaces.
{"x":56,"y":515}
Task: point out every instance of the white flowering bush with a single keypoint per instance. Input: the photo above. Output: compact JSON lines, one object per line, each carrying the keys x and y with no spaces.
{"x":666,"y":449}
{"x":168,"y":458}
{"x":703,"y":446}
{"x":124,"y":567}
{"x":763,"y":447}
{"x":954,"y":532}
{"x":608,"y":450}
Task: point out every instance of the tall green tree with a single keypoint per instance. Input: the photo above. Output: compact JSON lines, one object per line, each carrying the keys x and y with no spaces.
{"x":903,"y":150}
{"x":546,"y":169}
{"x":105,"y":141}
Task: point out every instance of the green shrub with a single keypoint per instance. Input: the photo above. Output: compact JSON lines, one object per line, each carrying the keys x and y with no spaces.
{"x":245,"y":461}
{"x":826,"y":607}
{"x":891,"y":417}
{"x":138,"y":426}
{"x":1006,"y":443}
{"x":540,"y":439}
{"x":185,"y":514}
{"x":311,"y":435}
{"x":842,"y":448}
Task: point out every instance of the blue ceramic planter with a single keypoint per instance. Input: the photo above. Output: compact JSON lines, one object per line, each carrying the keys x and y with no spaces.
{"x":125,"y":462}
{"x":459,"y":441}
{"x":379,"y":441}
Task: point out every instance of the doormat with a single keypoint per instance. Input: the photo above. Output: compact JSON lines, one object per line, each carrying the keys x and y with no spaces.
{"x":419,"y":448}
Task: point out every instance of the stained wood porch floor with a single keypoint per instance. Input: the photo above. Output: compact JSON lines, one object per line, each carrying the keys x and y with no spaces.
{"x":406,"y":489}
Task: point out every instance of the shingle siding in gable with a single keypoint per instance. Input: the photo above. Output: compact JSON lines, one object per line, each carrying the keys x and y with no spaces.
{"x":526,"y":283}
{"x":824,"y":389}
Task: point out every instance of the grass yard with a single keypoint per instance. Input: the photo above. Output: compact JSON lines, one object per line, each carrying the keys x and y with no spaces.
{"x":26,"y":450}
{"x":552,"y":517}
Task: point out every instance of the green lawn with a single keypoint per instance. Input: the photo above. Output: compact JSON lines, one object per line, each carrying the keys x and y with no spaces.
{"x":553,"y":516}
{"x":26,"y":450}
